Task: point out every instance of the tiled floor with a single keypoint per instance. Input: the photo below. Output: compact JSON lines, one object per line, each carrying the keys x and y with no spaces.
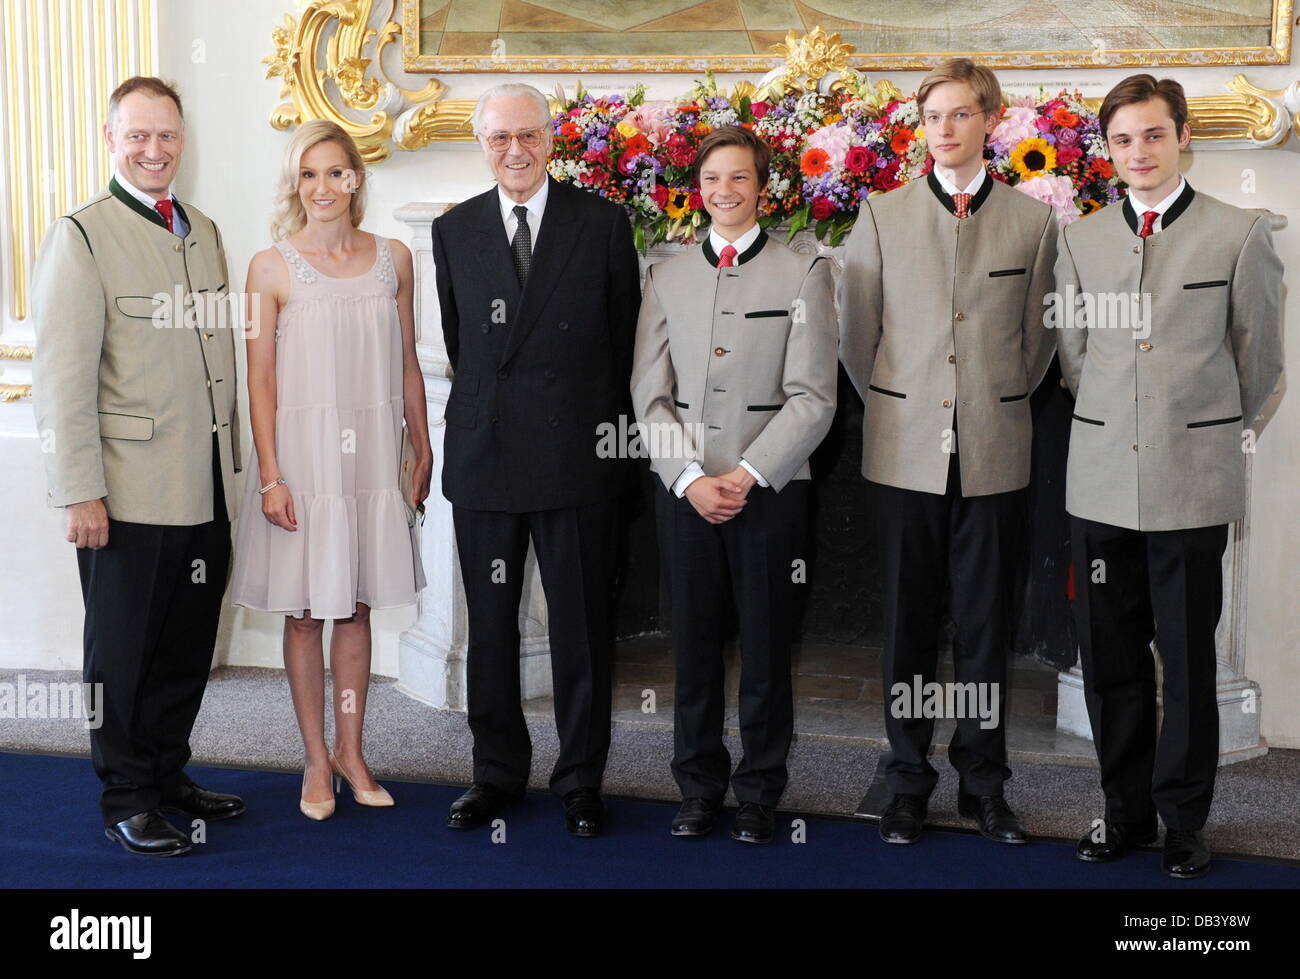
{"x":838,"y":694}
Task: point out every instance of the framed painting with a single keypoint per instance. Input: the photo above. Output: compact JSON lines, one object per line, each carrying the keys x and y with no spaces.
{"x":738,"y":35}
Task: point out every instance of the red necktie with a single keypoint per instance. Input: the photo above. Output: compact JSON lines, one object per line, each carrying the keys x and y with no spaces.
{"x":962,"y":203}
{"x":165,"y":209}
{"x":1148,"y":220}
{"x":728,"y":257}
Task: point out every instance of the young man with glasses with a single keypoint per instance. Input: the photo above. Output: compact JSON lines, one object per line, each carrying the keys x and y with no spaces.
{"x":941,"y":332}
{"x":538,"y":287}
{"x":1165,"y":412}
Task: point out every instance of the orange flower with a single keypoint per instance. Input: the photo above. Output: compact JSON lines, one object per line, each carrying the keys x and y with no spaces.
{"x":815,"y":162}
{"x":638,"y":144}
{"x":1102,"y":168}
{"x":1064,"y":117}
{"x":902,"y":140}
{"x":570,"y":129}
{"x":701,"y":127}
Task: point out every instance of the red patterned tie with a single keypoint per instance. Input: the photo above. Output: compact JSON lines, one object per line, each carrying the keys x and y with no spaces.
{"x":165,"y":209}
{"x":1148,"y":220}
{"x":728,"y":257}
{"x":962,"y":203}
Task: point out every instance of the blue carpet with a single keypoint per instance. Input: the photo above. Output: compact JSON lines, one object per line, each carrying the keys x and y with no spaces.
{"x":50,"y":838}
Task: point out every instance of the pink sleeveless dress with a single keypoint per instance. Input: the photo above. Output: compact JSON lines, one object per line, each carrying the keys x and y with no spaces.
{"x":338,"y":435}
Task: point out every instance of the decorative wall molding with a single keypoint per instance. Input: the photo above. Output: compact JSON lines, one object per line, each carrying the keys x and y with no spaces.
{"x":59,"y":61}
{"x":325,"y":74}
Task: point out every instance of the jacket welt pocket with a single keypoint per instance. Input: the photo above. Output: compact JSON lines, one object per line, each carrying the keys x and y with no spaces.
{"x":764,"y":407}
{"x":1214,"y":421}
{"x":137,"y":307}
{"x":134,"y":428}
{"x":1001,"y":272}
{"x":891,"y":394}
{"x":760,"y":313}
{"x":1087,"y":421}
{"x":680,"y":404}
{"x":1206,"y":285}
{"x":459,"y":413}
{"x":1014,"y":397}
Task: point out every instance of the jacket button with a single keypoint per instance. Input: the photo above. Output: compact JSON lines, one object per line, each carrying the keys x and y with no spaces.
{"x":718,"y":351}
{"x":960,"y":316}
{"x":214,"y":428}
{"x":550,"y":374}
{"x":178,"y":247}
{"x":209,"y":384}
{"x":947,"y":403}
{"x":496,"y":421}
{"x":952,"y":359}
{"x":1137,"y":249}
{"x":563,"y":325}
{"x":553,"y":421}
{"x":208,"y":336}
{"x":1144,"y":346}
{"x":485,"y":328}
{"x":503,"y":374}
{"x":1135,"y":446}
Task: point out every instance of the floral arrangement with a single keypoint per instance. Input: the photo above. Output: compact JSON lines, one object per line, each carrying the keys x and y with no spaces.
{"x":829,"y":153}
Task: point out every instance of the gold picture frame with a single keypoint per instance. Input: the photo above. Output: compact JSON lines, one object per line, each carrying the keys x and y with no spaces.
{"x":1107,"y":50}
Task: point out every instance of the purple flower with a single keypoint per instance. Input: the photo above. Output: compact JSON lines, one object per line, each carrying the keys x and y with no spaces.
{"x":1067,"y":137}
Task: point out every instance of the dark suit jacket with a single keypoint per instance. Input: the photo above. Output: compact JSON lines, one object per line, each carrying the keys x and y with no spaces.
{"x":537,"y":370}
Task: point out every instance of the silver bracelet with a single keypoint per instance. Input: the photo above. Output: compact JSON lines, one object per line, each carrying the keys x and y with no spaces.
{"x":270,"y":486}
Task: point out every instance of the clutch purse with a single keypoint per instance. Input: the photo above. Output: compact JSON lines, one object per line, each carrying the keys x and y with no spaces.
{"x":405,"y":473}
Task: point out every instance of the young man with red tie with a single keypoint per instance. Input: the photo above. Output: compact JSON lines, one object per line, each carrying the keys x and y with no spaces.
{"x":1156,"y":467}
{"x":941,"y":333}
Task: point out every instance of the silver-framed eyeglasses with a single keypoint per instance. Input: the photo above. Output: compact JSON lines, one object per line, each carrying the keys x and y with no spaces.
{"x":960,"y":117}
{"x":529,"y":139}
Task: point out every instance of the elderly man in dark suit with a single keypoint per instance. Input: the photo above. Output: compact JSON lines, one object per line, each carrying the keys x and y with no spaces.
{"x":539,"y":290}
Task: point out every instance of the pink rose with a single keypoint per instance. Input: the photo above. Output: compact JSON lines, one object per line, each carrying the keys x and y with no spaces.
{"x":1054,"y":190}
{"x":759,"y":109}
{"x":1067,"y":154}
{"x":1044,"y":124}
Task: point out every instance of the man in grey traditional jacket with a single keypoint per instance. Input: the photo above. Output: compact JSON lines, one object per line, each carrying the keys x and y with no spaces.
{"x":134,"y":389}
{"x":1169,"y":336}
{"x":941,"y":332}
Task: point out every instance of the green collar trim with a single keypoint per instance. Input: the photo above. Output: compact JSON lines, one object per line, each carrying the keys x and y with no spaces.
{"x":149,"y":214}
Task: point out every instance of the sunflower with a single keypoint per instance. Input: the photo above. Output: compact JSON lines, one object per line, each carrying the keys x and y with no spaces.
{"x":1033,"y":158}
{"x":679,"y":202}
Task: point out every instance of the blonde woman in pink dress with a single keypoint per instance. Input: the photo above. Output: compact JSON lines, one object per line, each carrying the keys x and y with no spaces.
{"x":332,"y":373}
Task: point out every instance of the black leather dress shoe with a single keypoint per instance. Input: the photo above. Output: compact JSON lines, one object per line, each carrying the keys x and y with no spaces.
{"x":903,"y":818}
{"x":696,"y":817}
{"x":1117,"y":839}
{"x":997,"y":821}
{"x":148,"y":834}
{"x":1186,"y":855}
{"x":754,"y":823}
{"x":584,"y":812}
{"x":478,"y":806}
{"x":197,"y":801}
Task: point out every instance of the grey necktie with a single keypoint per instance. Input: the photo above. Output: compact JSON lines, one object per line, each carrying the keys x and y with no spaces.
{"x":522,"y":244}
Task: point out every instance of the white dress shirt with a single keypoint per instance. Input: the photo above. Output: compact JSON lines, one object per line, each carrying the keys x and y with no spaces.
{"x":694,"y":471}
{"x":535,"y":204}
{"x":1139,"y":208}
{"x":942,"y":175}
{"x":179,"y":227}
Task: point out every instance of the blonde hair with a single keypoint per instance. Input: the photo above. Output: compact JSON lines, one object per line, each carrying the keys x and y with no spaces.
{"x":290,"y":216}
{"x":985,"y":84}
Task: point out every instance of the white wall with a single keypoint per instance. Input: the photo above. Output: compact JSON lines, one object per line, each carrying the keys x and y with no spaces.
{"x":232,"y":155}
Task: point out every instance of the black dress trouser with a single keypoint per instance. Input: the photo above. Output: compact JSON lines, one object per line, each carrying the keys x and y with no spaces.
{"x":756,"y":550}
{"x":575,"y":555}
{"x":1132,"y":587}
{"x":929,"y":541}
{"x":153,"y":601}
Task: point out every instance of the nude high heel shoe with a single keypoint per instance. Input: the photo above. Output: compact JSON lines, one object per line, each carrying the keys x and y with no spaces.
{"x":366,"y":797}
{"x":316,"y":810}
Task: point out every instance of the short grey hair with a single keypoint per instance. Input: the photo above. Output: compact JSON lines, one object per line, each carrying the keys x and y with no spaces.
{"x":504,"y":90}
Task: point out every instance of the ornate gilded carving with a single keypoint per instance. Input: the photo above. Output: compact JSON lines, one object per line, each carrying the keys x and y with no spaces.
{"x":1245,"y":117}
